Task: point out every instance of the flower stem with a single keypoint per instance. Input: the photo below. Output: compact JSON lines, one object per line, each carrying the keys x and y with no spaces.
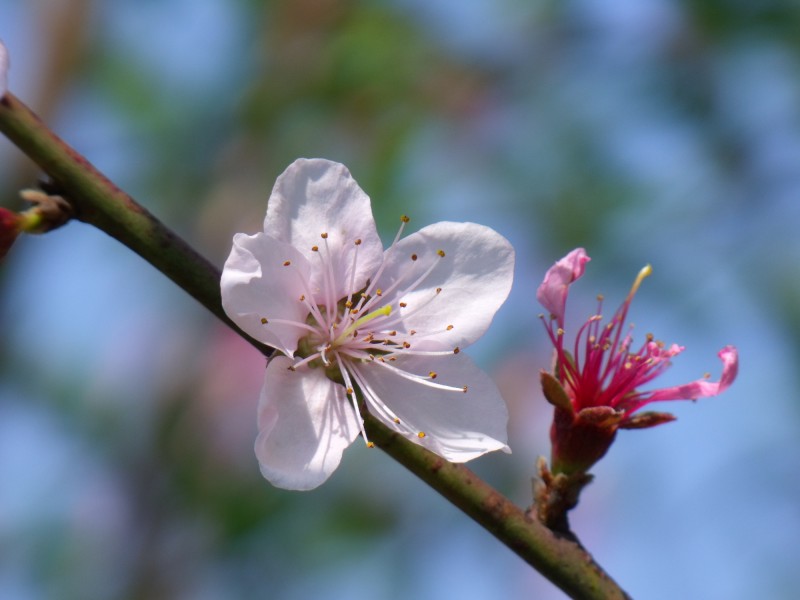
{"x":99,"y":202}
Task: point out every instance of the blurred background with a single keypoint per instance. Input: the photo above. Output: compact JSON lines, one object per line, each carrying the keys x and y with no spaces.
{"x":643,"y":130}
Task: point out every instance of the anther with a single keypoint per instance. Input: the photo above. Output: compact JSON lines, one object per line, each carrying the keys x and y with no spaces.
{"x":370,"y":444}
{"x":348,"y":304}
{"x":406,"y":345}
{"x":413,"y":257}
{"x":358,"y":242}
{"x":412,"y":332}
{"x":286,"y":263}
{"x":291,"y":368}
{"x":349,"y":391}
{"x":315,"y":248}
{"x":323,"y":235}
{"x":440,"y":253}
{"x":404,"y":219}
{"x":379,"y":292}
{"x":264,"y":320}
{"x":464,"y":389}
{"x":432,"y":375}
{"x":302,"y":297}
{"x":403,"y":304}
{"x":396,"y":420}
{"x":449,"y":328}
{"x":438,"y":290}
{"x":421,"y":434}
{"x":456,"y":350}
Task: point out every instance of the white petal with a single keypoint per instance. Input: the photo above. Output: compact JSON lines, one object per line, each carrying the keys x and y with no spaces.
{"x":3,"y":69}
{"x":475,"y":277}
{"x":458,"y":426}
{"x":305,"y":423}
{"x":316,"y":196}
{"x":256,"y":284}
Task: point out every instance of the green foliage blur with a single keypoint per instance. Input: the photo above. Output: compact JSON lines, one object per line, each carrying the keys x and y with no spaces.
{"x":664,"y":132}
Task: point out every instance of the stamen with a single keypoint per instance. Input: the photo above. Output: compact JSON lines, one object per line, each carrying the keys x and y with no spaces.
{"x":417,"y":378}
{"x":403,"y":220}
{"x":312,"y":307}
{"x":322,"y":352}
{"x":410,"y":289}
{"x":351,"y":394}
{"x":372,"y":399}
{"x":304,"y":361}
{"x":421,"y":434}
{"x":351,"y":288}
{"x":300,"y":324}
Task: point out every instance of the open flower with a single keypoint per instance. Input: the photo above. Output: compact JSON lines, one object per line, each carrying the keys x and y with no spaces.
{"x":595,"y":386}
{"x":346,"y":315}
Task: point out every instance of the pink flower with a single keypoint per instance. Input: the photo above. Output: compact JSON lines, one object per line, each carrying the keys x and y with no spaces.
{"x":596,"y":385}
{"x":3,"y":69}
{"x":346,"y":315}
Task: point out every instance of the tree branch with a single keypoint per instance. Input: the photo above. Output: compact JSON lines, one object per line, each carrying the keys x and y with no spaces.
{"x":99,"y":202}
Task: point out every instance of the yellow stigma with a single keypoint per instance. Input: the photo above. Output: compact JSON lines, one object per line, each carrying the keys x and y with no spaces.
{"x":646,"y":271}
{"x":383,"y":311}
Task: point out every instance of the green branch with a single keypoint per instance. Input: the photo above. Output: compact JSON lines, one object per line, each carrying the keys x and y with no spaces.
{"x":99,"y":202}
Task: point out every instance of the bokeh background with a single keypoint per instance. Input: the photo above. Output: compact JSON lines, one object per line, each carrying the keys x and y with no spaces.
{"x":644,"y":130}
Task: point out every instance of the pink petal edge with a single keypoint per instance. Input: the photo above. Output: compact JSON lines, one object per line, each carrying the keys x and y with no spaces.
{"x":552,"y":293}
{"x":702,"y":388}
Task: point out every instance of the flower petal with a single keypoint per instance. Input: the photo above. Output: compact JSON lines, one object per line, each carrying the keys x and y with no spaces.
{"x":3,"y":69}
{"x":458,"y":426}
{"x":702,"y":388}
{"x":305,"y":422}
{"x":257,"y":283}
{"x":316,"y":196}
{"x":473,"y":278}
{"x":552,"y":293}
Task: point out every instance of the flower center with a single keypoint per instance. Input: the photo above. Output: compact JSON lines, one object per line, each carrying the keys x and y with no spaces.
{"x":368,"y":328}
{"x":343,"y":337}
